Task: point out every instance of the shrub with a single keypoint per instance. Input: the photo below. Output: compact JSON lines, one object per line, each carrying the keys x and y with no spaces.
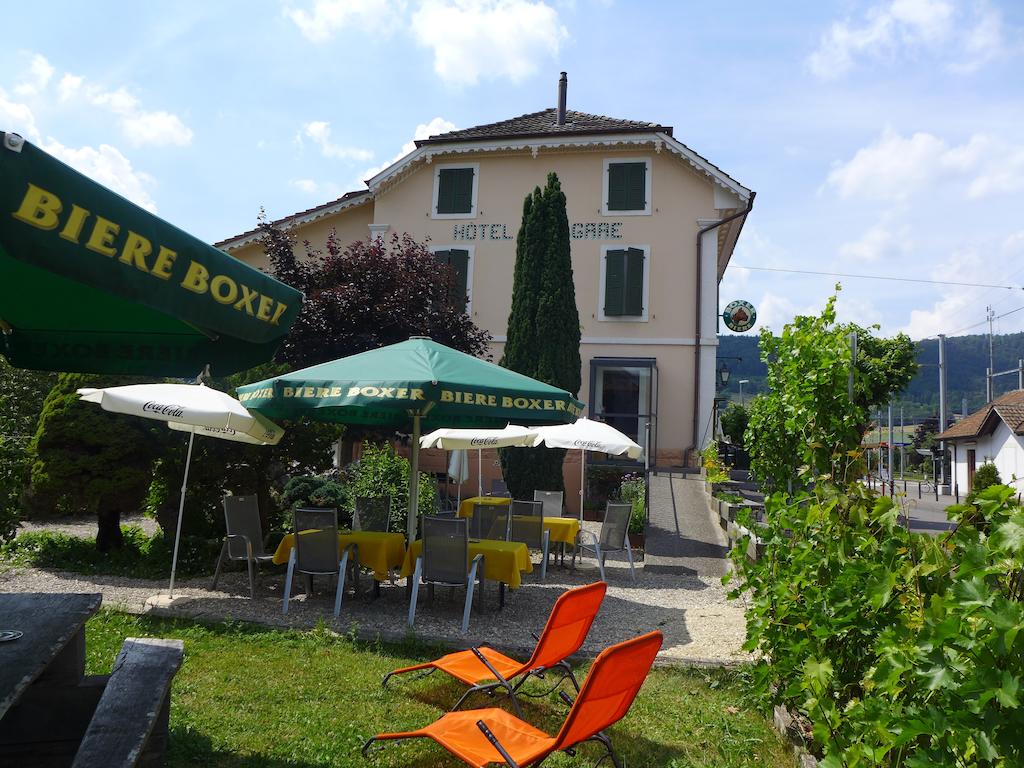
{"x":317,"y":491}
{"x":986,"y":476}
{"x":899,"y":648}
{"x":380,"y":471}
{"x":633,"y":490}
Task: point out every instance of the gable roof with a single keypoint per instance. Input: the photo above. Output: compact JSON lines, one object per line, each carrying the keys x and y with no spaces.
{"x":1008,"y":407}
{"x":544,"y":123}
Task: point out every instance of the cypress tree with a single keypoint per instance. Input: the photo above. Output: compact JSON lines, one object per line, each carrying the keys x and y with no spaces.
{"x":543,"y":338}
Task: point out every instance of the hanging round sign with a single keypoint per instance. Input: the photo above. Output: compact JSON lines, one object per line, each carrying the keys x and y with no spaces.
{"x":739,"y":316}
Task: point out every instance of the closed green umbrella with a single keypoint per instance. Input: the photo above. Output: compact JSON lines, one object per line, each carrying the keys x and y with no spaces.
{"x":417,"y":383}
{"x":91,"y":282}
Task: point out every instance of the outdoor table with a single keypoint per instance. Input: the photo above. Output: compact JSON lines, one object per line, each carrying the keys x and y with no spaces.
{"x":45,"y":701}
{"x":504,"y":561}
{"x":564,"y":530}
{"x":377,"y":550}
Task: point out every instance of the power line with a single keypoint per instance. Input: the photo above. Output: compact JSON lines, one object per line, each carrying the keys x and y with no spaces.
{"x":883,"y":277}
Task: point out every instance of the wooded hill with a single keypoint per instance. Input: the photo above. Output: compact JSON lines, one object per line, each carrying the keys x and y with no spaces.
{"x":966,"y":359}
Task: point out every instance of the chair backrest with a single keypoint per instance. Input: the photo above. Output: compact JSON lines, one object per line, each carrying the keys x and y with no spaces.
{"x":490,"y":521}
{"x":615,"y":526}
{"x":316,"y":540}
{"x":552,"y":500}
{"x":608,"y":692}
{"x":528,"y":523}
{"x":242,"y":518}
{"x":498,"y":488}
{"x":373,"y":513}
{"x":567,"y":626}
{"x":445,"y":550}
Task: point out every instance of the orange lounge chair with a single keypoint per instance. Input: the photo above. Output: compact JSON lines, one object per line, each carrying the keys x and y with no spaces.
{"x":564,"y":633}
{"x":481,"y":737}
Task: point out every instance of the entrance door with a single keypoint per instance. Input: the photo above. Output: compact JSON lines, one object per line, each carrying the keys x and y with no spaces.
{"x":970,"y":470}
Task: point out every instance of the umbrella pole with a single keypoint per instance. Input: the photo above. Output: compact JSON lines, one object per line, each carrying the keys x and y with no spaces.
{"x":181,"y":510}
{"x":414,"y":479}
{"x":583,"y":479}
{"x":479,"y":472}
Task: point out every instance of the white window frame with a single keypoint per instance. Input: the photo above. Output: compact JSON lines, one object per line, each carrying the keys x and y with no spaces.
{"x":437,"y":186}
{"x":604,"y":187}
{"x":469,"y":269}
{"x":642,"y":318}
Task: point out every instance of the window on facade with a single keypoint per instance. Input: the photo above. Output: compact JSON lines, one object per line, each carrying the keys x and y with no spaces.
{"x":627,"y":186}
{"x":458,"y":260}
{"x":455,"y":190}
{"x":624,"y":283}
{"x":623,"y":394}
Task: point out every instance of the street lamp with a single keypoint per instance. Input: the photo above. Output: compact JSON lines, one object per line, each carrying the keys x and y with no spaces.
{"x":742,"y":382}
{"x":723,"y":375}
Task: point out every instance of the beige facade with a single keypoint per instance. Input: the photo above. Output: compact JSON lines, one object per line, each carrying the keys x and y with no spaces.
{"x":642,"y":366}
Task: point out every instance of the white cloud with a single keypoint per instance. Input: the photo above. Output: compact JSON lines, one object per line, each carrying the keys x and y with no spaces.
{"x":963,"y":38}
{"x":17,"y":118}
{"x":40,"y":72}
{"x":109,"y":167}
{"x":957,"y":308}
{"x":320,"y":132}
{"x":328,"y":17}
{"x":140,"y":126}
{"x":894,"y":167}
{"x":877,"y":243}
{"x":423,"y":131}
{"x":488,"y":39}
{"x":313,"y":188}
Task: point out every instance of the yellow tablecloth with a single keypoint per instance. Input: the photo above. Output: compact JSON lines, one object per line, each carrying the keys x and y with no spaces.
{"x":466,"y":507}
{"x":377,"y":551}
{"x":563,"y":529}
{"x":504,"y":561}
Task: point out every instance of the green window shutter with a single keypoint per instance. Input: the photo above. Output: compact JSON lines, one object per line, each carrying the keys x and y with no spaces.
{"x":627,"y":186}
{"x":455,"y":190}
{"x":633,"y":303}
{"x":614,"y":283}
{"x":459,"y":261}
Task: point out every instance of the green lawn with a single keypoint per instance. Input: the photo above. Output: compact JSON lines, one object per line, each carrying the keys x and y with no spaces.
{"x":251,"y":696}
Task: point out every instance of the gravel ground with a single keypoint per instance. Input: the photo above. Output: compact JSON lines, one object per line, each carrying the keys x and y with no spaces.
{"x":700,"y":624}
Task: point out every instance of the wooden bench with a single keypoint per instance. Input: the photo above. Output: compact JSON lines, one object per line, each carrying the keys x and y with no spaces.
{"x":129,"y":726}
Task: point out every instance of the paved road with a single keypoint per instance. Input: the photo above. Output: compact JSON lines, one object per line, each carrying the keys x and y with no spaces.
{"x":926,"y":514}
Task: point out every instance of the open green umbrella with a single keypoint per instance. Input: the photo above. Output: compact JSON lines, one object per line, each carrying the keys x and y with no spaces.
{"x":417,"y":383}
{"x":91,"y":282}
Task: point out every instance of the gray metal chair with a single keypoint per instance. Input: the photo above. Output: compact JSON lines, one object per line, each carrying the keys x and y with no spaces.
{"x":244,"y":538}
{"x":498,"y":488}
{"x":373,"y":513}
{"x":316,"y":552}
{"x":553,"y":502}
{"x":528,"y":528}
{"x":613,"y":538}
{"x":490,"y":521}
{"x":445,"y":561}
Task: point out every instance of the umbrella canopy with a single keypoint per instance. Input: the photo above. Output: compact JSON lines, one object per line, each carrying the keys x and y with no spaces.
{"x":587,"y":435}
{"x":195,"y":409}
{"x":416,"y":382}
{"x":455,"y":439}
{"x":91,"y":282}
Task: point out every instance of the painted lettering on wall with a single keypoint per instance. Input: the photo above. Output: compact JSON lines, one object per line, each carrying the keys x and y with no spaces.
{"x":580,"y":230}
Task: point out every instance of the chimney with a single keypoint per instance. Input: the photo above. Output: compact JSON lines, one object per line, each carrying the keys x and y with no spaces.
{"x":562,"y":85}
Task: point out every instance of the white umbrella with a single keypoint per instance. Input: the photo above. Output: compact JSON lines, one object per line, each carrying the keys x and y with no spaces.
{"x":586,"y":435}
{"x":454,"y":439}
{"x":191,"y":408}
{"x":458,"y":469}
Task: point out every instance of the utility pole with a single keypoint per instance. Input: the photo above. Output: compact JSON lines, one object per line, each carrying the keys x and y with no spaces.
{"x":942,"y":405}
{"x":892,"y":475}
{"x":989,"y":379}
{"x":903,"y":446}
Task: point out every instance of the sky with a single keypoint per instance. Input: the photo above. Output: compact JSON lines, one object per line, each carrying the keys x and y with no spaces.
{"x":883,"y":138}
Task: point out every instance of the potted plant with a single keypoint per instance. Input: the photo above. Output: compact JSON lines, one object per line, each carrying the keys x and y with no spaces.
{"x":632,"y":491}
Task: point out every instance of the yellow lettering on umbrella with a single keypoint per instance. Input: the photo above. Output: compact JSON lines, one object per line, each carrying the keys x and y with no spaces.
{"x":446,"y":396}
{"x":73,"y":227}
{"x":248,"y":296}
{"x":102,"y":238}
{"x":223,"y":289}
{"x":276,"y":319}
{"x":263,"y":312}
{"x":197,"y":279}
{"x":39,"y":208}
{"x":136,"y":249}
{"x":164,"y":263}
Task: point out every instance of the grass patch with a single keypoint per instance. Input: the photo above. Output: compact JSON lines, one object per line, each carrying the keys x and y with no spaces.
{"x":141,"y":556}
{"x":251,"y":696}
